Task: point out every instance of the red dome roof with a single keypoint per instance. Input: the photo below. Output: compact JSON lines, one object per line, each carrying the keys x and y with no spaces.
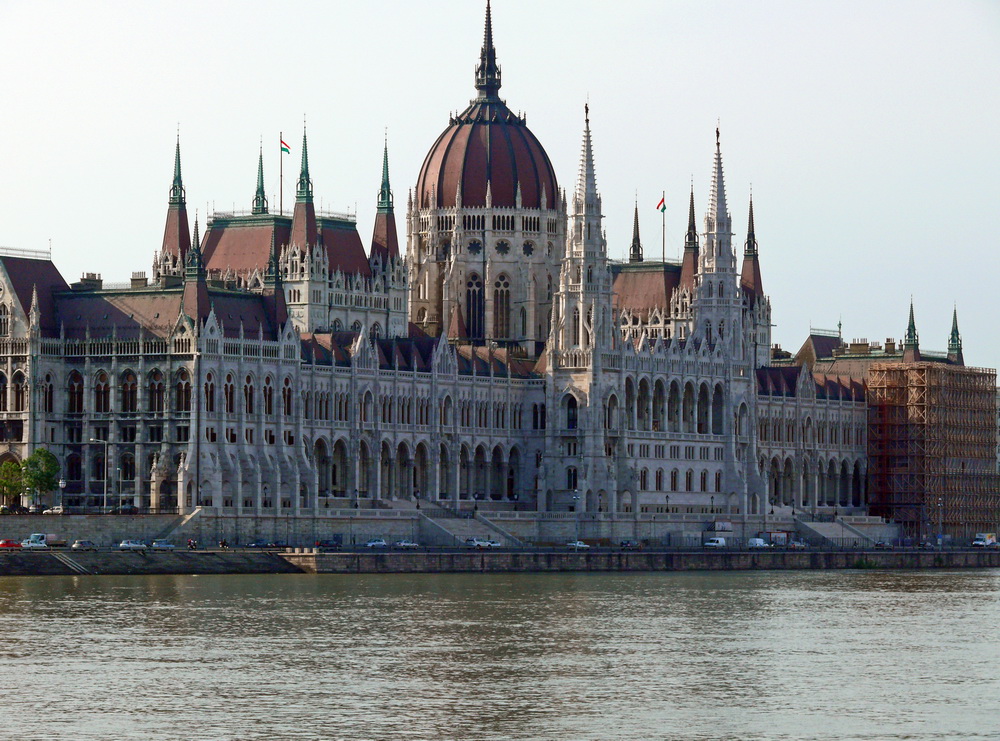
{"x":486,"y":143}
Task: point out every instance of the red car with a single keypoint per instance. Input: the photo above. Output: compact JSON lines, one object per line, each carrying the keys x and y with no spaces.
{"x":9,"y":544}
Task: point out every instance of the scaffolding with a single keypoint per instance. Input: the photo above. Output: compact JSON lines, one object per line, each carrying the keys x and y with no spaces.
{"x":932,"y":448}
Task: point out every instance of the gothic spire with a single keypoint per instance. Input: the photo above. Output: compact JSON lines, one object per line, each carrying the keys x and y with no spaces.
{"x":718,"y":213}
{"x":260,"y":200}
{"x":691,"y":239}
{"x":272,"y":275}
{"x":635,"y":254}
{"x":955,"y":341}
{"x":586,"y":186}
{"x":911,"y":330}
{"x":385,"y":193}
{"x":177,"y":188}
{"x":194,"y":264}
{"x":488,"y":71}
{"x":751,"y":245}
{"x":304,"y":190}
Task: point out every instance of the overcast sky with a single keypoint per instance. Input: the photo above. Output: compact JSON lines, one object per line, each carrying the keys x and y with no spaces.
{"x":868,"y":130}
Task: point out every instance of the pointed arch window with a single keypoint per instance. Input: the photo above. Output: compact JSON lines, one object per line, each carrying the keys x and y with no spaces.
{"x":229,"y":394}
{"x":20,"y":392}
{"x":524,"y":322}
{"x":286,"y":398}
{"x":130,"y":396}
{"x":156,"y":392}
{"x":575,"y":338}
{"x":210,"y":393}
{"x":268,"y":397}
{"x":4,"y":320}
{"x":102,"y":394}
{"x":474,"y":307}
{"x":501,"y":308}
{"x":183,"y":389}
{"x":248,"y":395}
{"x":75,"y":397}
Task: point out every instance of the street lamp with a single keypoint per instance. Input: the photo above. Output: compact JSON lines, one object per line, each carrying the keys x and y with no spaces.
{"x":713,"y":504}
{"x":576,"y":514}
{"x":62,"y":491}
{"x":104,"y":507}
{"x":941,"y":523}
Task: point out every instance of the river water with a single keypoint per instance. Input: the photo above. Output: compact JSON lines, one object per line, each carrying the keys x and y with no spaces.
{"x":734,"y":655}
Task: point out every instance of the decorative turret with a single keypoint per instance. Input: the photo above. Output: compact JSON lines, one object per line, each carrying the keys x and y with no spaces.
{"x":194,"y":300}
{"x":750,"y":280}
{"x":635,"y":253}
{"x":176,"y":233}
{"x":689,"y":264}
{"x":260,"y":200}
{"x":955,"y":341}
{"x":304,"y":232}
{"x":274,"y":290}
{"x":193,"y":265}
{"x":385,"y":244}
{"x":488,"y":71}
{"x":911,"y":345}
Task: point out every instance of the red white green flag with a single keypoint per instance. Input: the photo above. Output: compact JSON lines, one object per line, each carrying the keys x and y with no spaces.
{"x":662,"y":205}
{"x":285,"y":149}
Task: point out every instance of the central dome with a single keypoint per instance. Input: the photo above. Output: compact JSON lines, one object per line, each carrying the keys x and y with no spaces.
{"x":486,"y":143}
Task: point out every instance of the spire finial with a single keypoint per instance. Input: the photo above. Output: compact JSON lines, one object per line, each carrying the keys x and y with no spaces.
{"x":260,"y":199}
{"x":488,"y":71}
{"x":691,"y":238}
{"x":586,"y":187}
{"x":304,"y":190}
{"x":751,"y":246}
{"x":177,"y":188}
{"x":635,"y":253}
{"x":385,"y":192}
{"x":955,"y":341}
{"x":717,"y":209}
{"x":911,"y":329}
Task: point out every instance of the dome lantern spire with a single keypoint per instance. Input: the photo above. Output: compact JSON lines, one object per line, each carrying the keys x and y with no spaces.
{"x":488,"y":71}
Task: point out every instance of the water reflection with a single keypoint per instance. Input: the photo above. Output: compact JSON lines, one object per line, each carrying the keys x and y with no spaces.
{"x":819,"y":655}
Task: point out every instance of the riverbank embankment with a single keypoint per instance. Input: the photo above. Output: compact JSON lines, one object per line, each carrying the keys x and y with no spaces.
{"x":66,"y":562}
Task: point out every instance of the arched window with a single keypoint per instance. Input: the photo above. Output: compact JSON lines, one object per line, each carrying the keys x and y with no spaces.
{"x":501,"y":308}
{"x":248,"y":395}
{"x":156,"y":392}
{"x":102,"y":394}
{"x":127,"y":467}
{"x":644,"y":480}
{"x":4,"y":321}
{"x":571,"y":412}
{"x":688,"y":480}
{"x":286,"y":399}
{"x":703,"y":483}
{"x":229,"y":392}
{"x":210,"y":393}
{"x":183,"y":389}
{"x":74,"y":400}
{"x":659,"y":479}
{"x":571,"y":477}
{"x":474,"y":309}
{"x":268,"y":397}
{"x":673,"y":480}
{"x":48,"y":405}
{"x":575,"y":337}
{"x":718,"y":480}
{"x":130,"y":387}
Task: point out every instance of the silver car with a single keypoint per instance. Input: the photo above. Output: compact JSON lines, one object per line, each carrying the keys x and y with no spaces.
{"x":131,"y":545}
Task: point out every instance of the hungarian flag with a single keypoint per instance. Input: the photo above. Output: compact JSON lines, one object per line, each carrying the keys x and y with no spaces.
{"x":285,"y":149}
{"x":662,"y":205}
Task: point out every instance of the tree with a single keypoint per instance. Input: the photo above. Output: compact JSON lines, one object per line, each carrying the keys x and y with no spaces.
{"x":11,"y":482}
{"x":41,"y":471}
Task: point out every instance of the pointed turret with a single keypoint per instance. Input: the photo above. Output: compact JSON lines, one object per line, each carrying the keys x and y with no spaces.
{"x":689,"y":263}
{"x":955,"y":341}
{"x":911,"y":345}
{"x":385,"y":243}
{"x":176,"y":233}
{"x":274,"y":289}
{"x":635,"y":253}
{"x":586,"y":198}
{"x":260,"y":200}
{"x":304,"y":233}
{"x":718,"y":213}
{"x":750,"y":279}
{"x":488,"y":71}
{"x":194,"y":301}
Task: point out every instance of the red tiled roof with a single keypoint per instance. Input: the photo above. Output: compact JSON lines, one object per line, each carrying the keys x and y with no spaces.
{"x":642,"y":287}
{"x":344,"y":248}
{"x":27,"y":274}
{"x":243,"y":245}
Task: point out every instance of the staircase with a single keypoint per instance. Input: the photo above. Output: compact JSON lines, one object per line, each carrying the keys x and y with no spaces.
{"x":832,"y":534}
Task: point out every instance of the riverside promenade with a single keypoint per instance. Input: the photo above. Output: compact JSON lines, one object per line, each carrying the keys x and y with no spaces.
{"x":306,"y":561}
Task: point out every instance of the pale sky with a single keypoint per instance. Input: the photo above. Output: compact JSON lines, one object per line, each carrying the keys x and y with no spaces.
{"x":868,"y":130}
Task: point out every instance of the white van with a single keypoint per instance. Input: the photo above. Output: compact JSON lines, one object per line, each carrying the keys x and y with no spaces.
{"x":758,"y":543}
{"x":715,"y":543}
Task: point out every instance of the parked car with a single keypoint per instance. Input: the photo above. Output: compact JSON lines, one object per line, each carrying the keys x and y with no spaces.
{"x":328,"y":545}
{"x":477,"y":543}
{"x":405,"y":544}
{"x":260,"y":543}
{"x":629,"y":545}
{"x":376,"y":543}
{"x":883,"y":545}
{"x":797,"y":545}
{"x":714,"y":543}
{"x":928,"y":546}
{"x":757,"y":543}
{"x":494,"y":544}
{"x":84,"y":545}
{"x":125,"y":509}
{"x":131,"y":545}
{"x":577,"y":545}
{"x":162,"y":545}
{"x":57,"y":510}
{"x":36,"y":509}
{"x":9,"y":544}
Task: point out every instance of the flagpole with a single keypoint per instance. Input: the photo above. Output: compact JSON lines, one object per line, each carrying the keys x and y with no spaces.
{"x":663,"y":226}
{"x":281,"y":175}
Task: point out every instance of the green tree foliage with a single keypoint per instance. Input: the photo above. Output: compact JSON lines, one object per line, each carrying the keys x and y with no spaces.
{"x":11,"y":482}
{"x":41,"y":471}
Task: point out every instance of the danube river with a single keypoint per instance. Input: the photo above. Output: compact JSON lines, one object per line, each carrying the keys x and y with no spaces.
{"x":734,"y":655}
